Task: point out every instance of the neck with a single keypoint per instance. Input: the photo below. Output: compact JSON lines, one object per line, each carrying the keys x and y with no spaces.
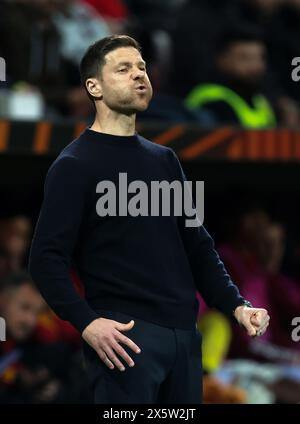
{"x":115,"y":123}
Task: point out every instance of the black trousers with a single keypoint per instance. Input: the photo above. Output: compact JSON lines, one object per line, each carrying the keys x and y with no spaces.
{"x":168,"y":369}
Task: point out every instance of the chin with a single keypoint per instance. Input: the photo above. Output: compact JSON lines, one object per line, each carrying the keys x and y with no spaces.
{"x":133,"y":110}
{"x":21,"y":335}
{"x":142,"y":107}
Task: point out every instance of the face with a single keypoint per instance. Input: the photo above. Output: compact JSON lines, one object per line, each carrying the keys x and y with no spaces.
{"x":20,"y":308}
{"x":124,"y":84}
{"x":244,"y":61}
{"x":14,"y":237}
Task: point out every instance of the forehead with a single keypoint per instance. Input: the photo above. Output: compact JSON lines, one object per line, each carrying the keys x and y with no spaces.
{"x":26,"y":292}
{"x":123,"y":54}
{"x":247,"y":46}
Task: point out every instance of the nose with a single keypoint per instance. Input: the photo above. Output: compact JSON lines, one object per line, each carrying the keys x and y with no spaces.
{"x":138,"y":74}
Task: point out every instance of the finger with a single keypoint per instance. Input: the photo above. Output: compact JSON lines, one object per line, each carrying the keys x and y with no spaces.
{"x":113,"y":357}
{"x":260,"y":322}
{"x":124,"y":327}
{"x":126,"y":340}
{"x":258,"y":317}
{"x":262,"y":329}
{"x":265,"y":321}
{"x":249,"y":328}
{"x":104,"y":358}
{"x":122,"y":352}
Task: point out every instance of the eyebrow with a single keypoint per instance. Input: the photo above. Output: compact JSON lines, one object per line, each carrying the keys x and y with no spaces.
{"x":126,"y":63}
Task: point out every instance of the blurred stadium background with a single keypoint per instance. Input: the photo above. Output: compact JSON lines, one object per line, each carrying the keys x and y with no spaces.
{"x":226,"y":102}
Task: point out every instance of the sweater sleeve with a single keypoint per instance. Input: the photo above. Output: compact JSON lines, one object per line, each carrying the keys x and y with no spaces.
{"x":211,"y":278}
{"x":55,"y":238}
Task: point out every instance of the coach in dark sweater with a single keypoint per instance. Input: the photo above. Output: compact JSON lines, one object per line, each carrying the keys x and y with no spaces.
{"x":143,"y":267}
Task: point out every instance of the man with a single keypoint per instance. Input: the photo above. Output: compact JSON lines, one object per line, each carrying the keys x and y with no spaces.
{"x":36,"y":348}
{"x":235,"y":92}
{"x":140,"y":272}
{"x":20,"y":306}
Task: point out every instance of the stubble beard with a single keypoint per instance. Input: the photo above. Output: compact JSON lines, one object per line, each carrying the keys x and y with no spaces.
{"x":130,"y":105}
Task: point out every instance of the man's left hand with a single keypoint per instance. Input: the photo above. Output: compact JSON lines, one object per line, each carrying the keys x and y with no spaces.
{"x":254,"y":320}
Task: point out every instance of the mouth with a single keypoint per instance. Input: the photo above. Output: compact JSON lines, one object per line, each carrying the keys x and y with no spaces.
{"x":141,"y":88}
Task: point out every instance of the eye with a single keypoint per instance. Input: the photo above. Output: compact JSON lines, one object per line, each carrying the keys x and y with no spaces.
{"x":122,"y":70}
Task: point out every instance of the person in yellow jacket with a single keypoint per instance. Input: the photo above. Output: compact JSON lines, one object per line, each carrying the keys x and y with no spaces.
{"x":258,"y":114}
{"x":234,"y":93}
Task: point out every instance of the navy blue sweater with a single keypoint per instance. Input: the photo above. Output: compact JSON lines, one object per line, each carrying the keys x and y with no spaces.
{"x":147,"y":266}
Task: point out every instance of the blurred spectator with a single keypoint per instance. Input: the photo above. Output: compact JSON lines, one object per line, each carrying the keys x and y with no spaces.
{"x":279,"y":22}
{"x":15,"y":233}
{"x":30,"y":44}
{"x":79,"y":25}
{"x":236,"y":92}
{"x":20,"y":306}
{"x":33,"y":365}
{"x":254,"y":257}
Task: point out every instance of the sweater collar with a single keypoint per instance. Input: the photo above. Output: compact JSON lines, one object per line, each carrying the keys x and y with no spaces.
{"x":95,"y":136}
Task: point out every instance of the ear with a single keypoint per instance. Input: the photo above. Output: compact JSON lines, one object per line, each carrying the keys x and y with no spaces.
{"x":93,"y":86}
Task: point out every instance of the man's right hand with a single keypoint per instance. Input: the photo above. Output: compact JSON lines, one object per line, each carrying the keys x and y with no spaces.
{"x":104,"y":335}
